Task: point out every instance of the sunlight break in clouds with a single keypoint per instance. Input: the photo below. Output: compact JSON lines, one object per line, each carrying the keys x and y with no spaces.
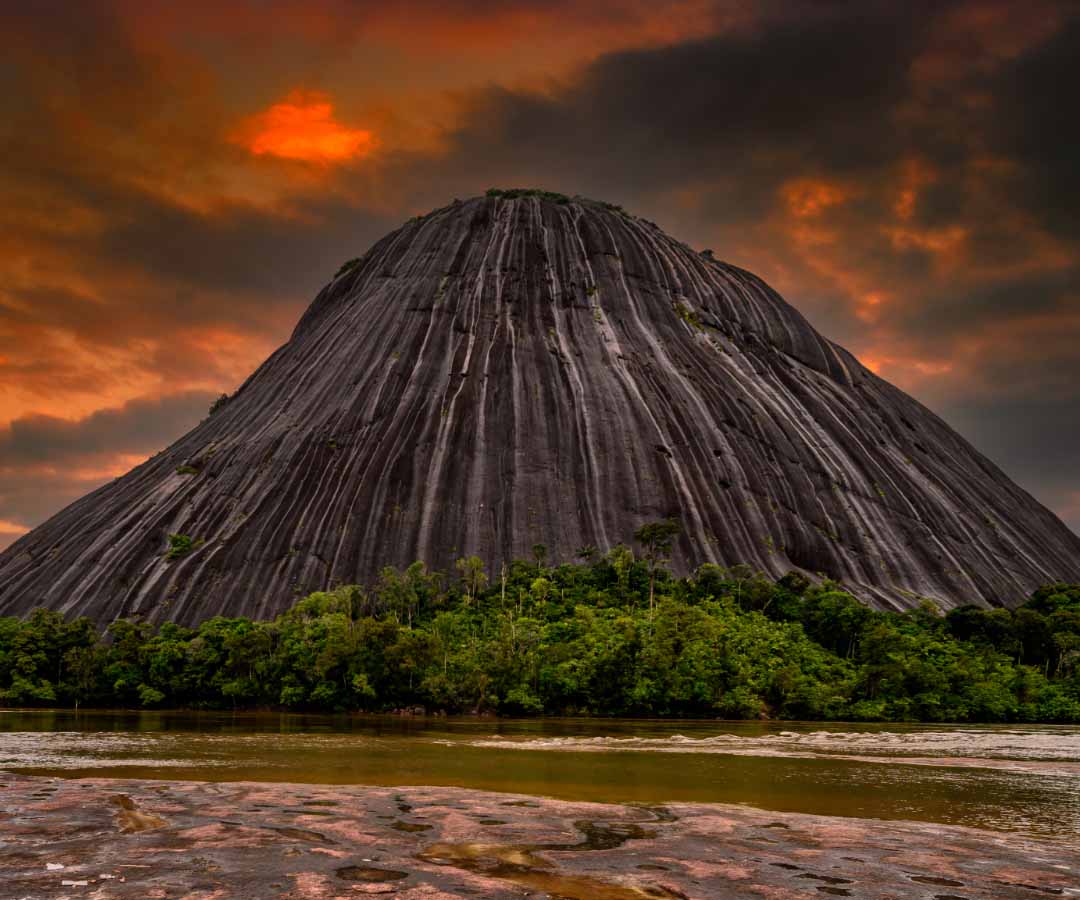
{"x":10,"y":532}
{"x":302,"y":127}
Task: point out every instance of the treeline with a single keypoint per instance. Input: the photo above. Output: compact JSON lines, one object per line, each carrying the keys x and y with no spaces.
{"x":616,"y":634}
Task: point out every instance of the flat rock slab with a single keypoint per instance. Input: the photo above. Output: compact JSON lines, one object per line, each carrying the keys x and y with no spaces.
{"x":110,"y":838}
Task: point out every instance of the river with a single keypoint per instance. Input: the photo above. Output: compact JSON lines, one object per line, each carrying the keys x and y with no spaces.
{"x":1020,"y":779}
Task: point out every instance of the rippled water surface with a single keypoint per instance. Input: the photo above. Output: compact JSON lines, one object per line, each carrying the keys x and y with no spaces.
{"x":1019,"y":778}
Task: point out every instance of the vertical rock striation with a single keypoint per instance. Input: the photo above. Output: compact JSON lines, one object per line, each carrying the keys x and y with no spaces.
{"x":505,"y":372}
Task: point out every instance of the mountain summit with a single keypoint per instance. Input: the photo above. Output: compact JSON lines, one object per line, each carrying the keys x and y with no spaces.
{"x":520,"y":369}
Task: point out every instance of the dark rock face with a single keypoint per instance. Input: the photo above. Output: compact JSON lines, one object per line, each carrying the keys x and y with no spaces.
{"x":502,"y":373}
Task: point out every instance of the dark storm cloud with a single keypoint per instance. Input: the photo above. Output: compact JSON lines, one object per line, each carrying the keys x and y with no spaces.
{"x":740,"y":112}
{"x":944,"y":314}
{"x":140,"y":426}
{"x":1036,"y":124}
{"x":1032,"y":435}
{"x":246,"y":251}
{"x":46,"y":462}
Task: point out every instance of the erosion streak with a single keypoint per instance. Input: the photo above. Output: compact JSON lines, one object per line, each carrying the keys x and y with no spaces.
{"x":507,"y":372}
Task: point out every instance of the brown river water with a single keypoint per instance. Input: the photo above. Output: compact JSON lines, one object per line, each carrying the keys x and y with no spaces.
{"x":1021,"y":779}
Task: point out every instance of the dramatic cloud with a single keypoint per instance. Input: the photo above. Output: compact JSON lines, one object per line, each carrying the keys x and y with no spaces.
{"x":302,"y":127}
{"x":46,"y":462}
{"x":179,"y":181}
{"x":9,"y":531}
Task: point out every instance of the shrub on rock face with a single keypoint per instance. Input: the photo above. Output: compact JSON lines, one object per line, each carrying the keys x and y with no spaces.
{"x":515,"y":193}
{"x":347,"y":266}
{"x":181,"y":545}
{"x":218,"y":404}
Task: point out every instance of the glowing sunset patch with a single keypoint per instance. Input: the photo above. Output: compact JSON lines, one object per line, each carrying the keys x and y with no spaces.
{"x":932,"y":367}
{"x":112,"y":466}
{"x":1070,"y":509}
{"x":868,"y":306}
{"x":903,"y":368}
{"x":915,"y":175}
{"x":937,"y":240}
{"x":12,"y":528}
{"x":302,"y":127}
{"x":905,"y":203}
{"x":807,"y":198}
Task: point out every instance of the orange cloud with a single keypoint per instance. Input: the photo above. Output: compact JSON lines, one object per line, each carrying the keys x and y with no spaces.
{"x":807,"y":197}
{"x":302,"y":127}
{"x":12,"y":528}
{"x":1070,"y":508}
{"x":915,"y":175}
{"x":902,"y":367}
{"x":824,"y":245}
{"x":85,"y":474}
{"x":868,"y":306}
{"x":946,"y":244}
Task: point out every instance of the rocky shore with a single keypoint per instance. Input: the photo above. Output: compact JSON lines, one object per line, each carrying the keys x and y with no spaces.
{"x":109,"y":838}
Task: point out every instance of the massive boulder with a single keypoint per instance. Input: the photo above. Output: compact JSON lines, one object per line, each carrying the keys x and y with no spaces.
{"x":508,"y":371}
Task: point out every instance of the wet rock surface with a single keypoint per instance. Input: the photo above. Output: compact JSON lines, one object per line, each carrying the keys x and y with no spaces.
{"x":501,"y":373}
{"x":62,"y":838}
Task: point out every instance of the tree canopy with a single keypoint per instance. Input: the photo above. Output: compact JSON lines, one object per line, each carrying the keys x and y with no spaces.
{"x":614,"y":635}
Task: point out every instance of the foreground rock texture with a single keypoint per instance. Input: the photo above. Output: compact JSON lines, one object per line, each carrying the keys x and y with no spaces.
{"x":104,"y":839}
{"x":506,"y":372}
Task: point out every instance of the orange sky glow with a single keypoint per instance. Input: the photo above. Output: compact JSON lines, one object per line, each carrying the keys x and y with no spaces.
{"x":303,"y":127}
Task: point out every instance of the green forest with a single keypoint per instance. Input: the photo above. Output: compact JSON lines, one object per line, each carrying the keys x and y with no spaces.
{"x":615,"y":634}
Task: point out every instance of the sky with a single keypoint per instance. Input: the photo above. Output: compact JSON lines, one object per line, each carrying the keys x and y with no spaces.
{"x":179,"y":180}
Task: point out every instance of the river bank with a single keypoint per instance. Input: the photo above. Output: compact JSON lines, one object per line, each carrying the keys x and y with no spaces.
{"x":119,"y":838}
